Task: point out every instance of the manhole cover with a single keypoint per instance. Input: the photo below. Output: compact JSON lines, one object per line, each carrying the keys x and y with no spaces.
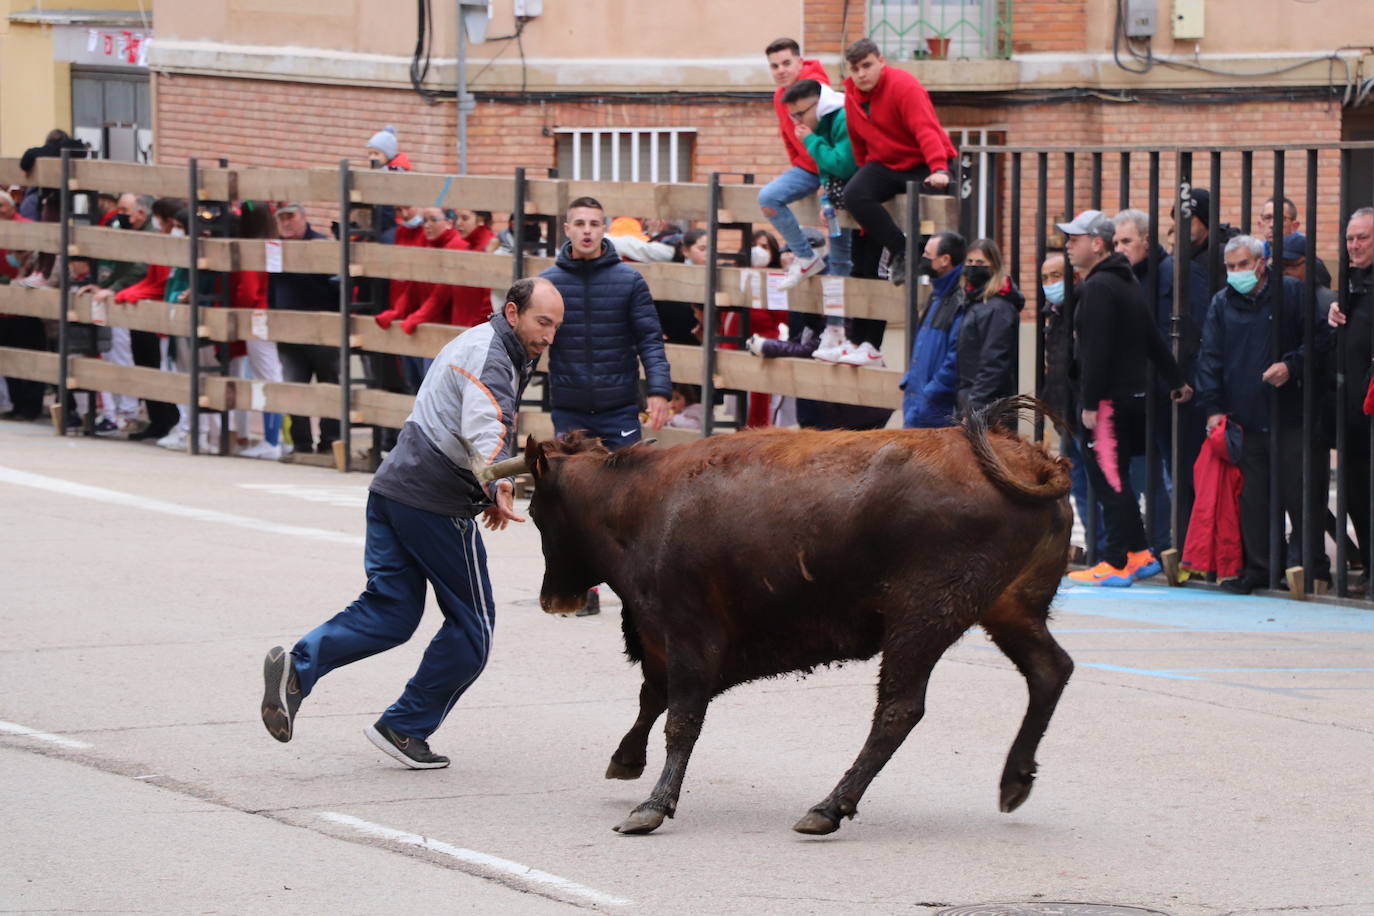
{"x":1049,"y":909}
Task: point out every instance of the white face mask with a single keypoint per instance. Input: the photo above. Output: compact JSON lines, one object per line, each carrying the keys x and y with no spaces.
{"x":178,"y":233}
{"x":414,"y":222}
{"x":157,"y":224}
{"x":760,"y":256}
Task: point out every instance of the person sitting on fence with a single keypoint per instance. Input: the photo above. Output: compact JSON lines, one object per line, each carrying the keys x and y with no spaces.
{"x":988,"y":334}
{"x":1236,"y":375}
{"x":633,"y":244}
{"x":932,"y":379}
{"x":301,"y":292}
{"x":896,"y":137}
{"x":802,"y":179}
{"x":1356,"y":318}
{"x":686,"y":407}
{"x":1116,"y":342}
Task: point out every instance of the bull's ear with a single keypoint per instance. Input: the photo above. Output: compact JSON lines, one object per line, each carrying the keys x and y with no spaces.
{"x":535,"y":458}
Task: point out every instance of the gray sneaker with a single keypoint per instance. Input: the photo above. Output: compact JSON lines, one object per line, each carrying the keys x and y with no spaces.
{"x":413,"y":752}
{"x":281,"y":695}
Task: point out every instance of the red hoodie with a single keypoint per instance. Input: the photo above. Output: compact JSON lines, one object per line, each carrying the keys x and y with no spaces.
{"x":436,"y":299}
{"x":895,"y":124}
{"x":796,"y":150}
{"x":405,"y":235}
{"x":152,"y":286}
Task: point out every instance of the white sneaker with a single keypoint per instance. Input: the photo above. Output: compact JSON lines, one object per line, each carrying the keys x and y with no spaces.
{"x":754,"y":344}
{"x":862,"y":355}
{"x":802,"y":268}
{"x":175,"y":440}
{"x":264,"y":449}
{"x":832,"y":345}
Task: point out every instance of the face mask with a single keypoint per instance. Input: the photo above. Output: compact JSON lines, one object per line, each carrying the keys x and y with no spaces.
{"x":122,"y":221}
{"x":1054,"y":292}
{"x":414,"y":222}
{"x":760,"y":256}
{"x":924,"y":268}
{"x":178,"y":233}
{"x":377,"y":163}
{"x":11,"y":259}
{"x":1242,"y":281}
{"x":978,"y":276}
{"x":157,"y":224}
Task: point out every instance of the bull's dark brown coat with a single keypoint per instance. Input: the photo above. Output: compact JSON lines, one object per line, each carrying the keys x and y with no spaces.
{"x":756,"y":554}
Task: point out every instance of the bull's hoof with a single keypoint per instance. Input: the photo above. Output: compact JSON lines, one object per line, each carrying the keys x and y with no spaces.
{"x":618,"y":770}
{"x":816,"y":823}
{"x":641,"y":820}
{"x":1014,"y":793}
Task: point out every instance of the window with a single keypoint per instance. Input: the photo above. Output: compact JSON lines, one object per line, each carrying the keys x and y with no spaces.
{"x":661,"y":154}
{"x":111,"y":111}
{"x":920,"y":29}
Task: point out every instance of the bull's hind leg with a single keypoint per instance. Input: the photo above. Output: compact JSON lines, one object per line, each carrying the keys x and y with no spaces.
{"x":628,"y":760}
{"x":1020,"y":632}
{"x":901,"y":704}
{"x":688,"y":696}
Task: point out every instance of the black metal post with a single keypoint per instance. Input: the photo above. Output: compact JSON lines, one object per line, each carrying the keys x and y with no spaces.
{"x":1097,"y":181}
{"x":1276,"y":469}
{"x":913,"y":254}
{"x":1123,"y":192}
{"x":1310,"y":530}
{"x":1042,"y":213}
{"x":1013,"y":258}
{"x":1215,"y":273}
{"x":517,"y":232}
{"x":1153,"y":460}
{"x":1070,"y":309}
{"x":1342,"y":582}
{"x":1247,"y":192}
{"x":708,"y":308}
{"x":345,"y":318}
{"x":193,"y":298}
{"x":1183,"y":268}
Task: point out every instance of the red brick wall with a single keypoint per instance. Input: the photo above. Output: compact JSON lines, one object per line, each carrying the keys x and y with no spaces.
{"x":825,"y":29}
{"x":1048,"y":25}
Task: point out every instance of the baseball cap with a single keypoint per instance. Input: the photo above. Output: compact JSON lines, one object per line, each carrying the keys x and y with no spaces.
{"x":289,"y":206}
{"x":1090,"y":222}
{"x":1294,"y":246}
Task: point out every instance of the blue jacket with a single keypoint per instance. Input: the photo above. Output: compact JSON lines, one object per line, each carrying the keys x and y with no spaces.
{"x":610,"y":325}
{"x":1236,"y":351}
{"x":932,"y":381}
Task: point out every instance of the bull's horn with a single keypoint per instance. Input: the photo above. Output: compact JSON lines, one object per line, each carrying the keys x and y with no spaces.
{"x":486,"y":473}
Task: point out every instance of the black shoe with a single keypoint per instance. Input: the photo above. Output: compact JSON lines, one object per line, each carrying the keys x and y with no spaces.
{"x":413,"y":752}
{"x":281,"y":695}
{"x":896,"y":269}
{"x":1243,"y":584}
{"x":593,"y":605}
{"x":105,"y":427}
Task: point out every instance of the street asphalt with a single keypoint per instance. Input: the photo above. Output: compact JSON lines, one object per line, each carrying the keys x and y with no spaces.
{"x":1211,"y":754}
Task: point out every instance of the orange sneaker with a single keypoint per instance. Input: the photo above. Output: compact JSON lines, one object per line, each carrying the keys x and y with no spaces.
{"x":1141,"y":564}
{"x":1106,"y":574}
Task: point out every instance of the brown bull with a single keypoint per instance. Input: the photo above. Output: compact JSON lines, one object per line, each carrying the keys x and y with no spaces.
{"x":751,"y":555}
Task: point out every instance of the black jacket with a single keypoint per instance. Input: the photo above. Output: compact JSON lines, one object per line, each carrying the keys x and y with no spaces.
{"x":1236,"y":349}
{"x":987,"y":349}
{"x":1116,"y":336}
{"x":303,"y":292}
{"x":1354,"y":339}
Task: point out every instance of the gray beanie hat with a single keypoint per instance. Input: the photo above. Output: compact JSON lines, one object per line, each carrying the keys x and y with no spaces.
{"x":385,"y":142}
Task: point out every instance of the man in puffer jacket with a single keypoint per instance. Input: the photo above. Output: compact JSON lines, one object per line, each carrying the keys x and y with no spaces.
{"x":611,"y":326}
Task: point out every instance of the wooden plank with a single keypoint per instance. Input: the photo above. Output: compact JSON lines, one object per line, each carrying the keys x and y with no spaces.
{"x":302,"y":399}
{"x":741,"y":202}
{"x":169,"y":318}
{"x":433,"y":265}
{"x":375,"y":407}
{"x":426,"y":342}
{"x":11,"y":173}
{"x":807,"y":378}
{"x":685,"y":363}
{"x":93,"y":374}
{"x":17,"y":236}
{"x":34,"y":365}
{"x":229,"y":255}
{"x":301,"y":185}
{"x":145,"y":247}
{"x":418,"y":189}
{"x":120,"y":177}
{"x":546,"y":196}
{"x":32,"y":303}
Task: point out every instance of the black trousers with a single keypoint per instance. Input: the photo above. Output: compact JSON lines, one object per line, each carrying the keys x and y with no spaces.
{"x":148,"y":352}
{"x":1254,"y":499}
{"x":24,"y":333}
{"x":1356,"y":477}
{"x":1192,"y":432}
{"x":872,"y":186}
{"x":306,"y":363}
{"x":1108,"y":449}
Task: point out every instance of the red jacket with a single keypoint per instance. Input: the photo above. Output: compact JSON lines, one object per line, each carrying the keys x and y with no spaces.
{"x":433,"y":302}
{"x":1213,"y":543}
{"x":895,"y":124}
{"x":400,"y":289}
{"x":480,"y":237}
{"x":796,"y":150}
{"x":1369,"y":399}
{"x":248,"y":289}
{"x":152,"y":286}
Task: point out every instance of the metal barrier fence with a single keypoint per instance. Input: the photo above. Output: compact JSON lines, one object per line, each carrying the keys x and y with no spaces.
{"x":1037,"y":187}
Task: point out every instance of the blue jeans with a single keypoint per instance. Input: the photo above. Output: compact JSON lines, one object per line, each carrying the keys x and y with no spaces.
{"x":616,"y":428}
{"x":404,"y":548}
{"x":792,"y":185}
{"x":840,"y":262}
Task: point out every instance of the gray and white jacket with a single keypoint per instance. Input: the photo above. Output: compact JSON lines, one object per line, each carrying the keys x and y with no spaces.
{"x":472,"y":390}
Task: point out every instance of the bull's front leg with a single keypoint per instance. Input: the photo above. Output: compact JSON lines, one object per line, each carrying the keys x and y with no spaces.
{"x":629,"y":759}
{"x":687,"y":699}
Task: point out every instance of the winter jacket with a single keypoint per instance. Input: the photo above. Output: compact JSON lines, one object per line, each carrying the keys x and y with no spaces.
{"x":1236,"y":349}
{"x":152,"y":286}
{"x":1214,"y":540}
{"x":119,"y":275}
{"x":472,"y":390}
{"x":895,"y":124}
{"x":479,"y":238}
{"x":1193,"y":316}
{"x":1116,"y":336}
{"x":829,"y":144}
{"x":987,"y":349}
{"x":303,"y":292}
{"x":796,"y":152}
{"x":932,"y":381}
{"x":433,"y":303}
{"x":610,"y":325}
{"x":1354,"y":339}
{"x":1057,"y":388}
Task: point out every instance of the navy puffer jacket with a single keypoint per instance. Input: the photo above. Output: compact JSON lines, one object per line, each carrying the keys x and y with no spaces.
{"x":610,"y":325}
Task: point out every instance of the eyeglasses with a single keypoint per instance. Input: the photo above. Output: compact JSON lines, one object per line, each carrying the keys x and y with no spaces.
{"x":798,"y":115}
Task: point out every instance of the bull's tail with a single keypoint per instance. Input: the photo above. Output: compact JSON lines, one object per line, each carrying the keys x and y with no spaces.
{"x":1052,"y":476}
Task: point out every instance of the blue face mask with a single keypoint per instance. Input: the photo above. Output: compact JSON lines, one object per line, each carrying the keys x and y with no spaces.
{"x":1242,"y":281}
{"x":1054,"y":292}
{"x":12,"y":259}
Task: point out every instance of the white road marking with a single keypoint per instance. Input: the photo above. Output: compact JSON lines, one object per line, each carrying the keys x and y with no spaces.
{"x":482,"y":859}
{"x":12,"y":728}
{"x":100,"y":494}
{"x":347,"y":497}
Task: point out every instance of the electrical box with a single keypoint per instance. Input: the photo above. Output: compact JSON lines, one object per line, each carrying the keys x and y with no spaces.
{"x":1140,"y":18}
{"x":528,"y":9}
{"x":1188,"y":19}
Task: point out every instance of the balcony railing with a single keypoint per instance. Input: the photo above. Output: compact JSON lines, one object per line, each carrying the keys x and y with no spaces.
{"x":940,"y":29}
